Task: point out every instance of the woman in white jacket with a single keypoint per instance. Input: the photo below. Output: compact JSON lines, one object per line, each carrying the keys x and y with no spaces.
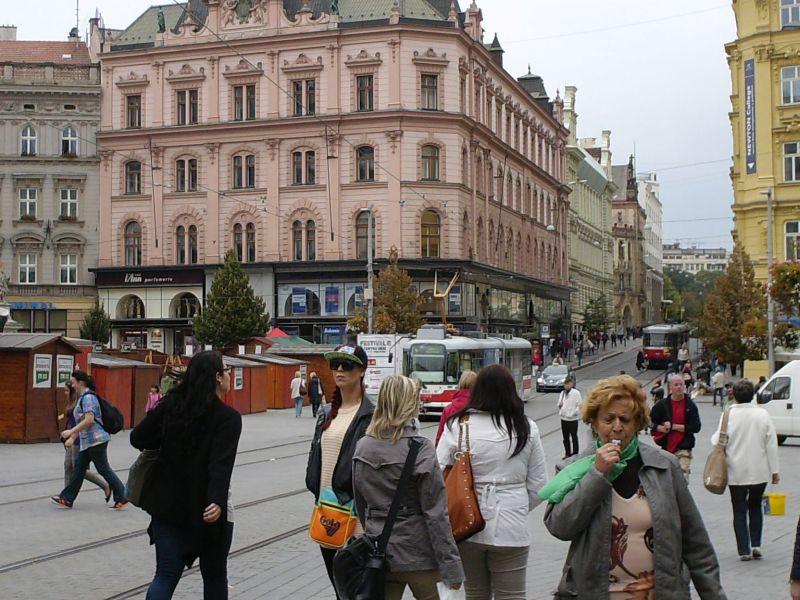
{"x":752,"y":458}
{"x":509,"y":468}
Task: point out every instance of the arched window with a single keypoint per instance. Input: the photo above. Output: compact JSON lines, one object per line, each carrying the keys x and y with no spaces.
{"x":238,"y":242}
{"x":193,"y":244}
{"x":365,"y":160}
{"x":180,"y":245}
{"x":362,"y":233}
{"x":186,"y":306}
{"x":311,"y":240}
{"x":27,"y":145}
{"x":297,"y":240}
{"x":244,"y":171}
{"x":430,"y":163}
{"x":250,"y":232}
{"x":69,"y":141}
{"x":304,"y":168}
{"x":133,"y":177}
{"x":130,"y":307}
{"x":186,"y":175}
{"x":431,"y":230}
{"x":133,"y":244}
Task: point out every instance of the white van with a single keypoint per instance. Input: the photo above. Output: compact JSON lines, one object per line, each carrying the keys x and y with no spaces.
{"x":780,"y":396}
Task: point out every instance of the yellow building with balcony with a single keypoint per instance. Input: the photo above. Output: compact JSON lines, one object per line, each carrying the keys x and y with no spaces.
{"x":765,"y":119}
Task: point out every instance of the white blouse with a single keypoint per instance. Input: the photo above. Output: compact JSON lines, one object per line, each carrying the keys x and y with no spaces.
{"x":507,"y":487}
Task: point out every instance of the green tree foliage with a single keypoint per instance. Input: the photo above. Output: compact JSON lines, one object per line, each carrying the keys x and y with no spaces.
{"x":232,"y":312}
{"x":693,"y":290}
{"x":596,"y":317}
{"x":731,"y":312}
{"x":786,"y":287}
{"x":96,"y":324}
{"x":673,"y":310}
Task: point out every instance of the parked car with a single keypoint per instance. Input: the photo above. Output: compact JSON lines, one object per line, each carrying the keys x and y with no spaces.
{"x":551,"y":379}
{"x":780,"y":396}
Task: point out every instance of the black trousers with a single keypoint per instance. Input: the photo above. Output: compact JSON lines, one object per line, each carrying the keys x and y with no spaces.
{"x":746,"y":501}
{"x":569,"y":430}
{"x":327,"y":556}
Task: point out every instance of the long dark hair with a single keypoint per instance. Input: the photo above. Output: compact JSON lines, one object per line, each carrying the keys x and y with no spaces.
{"x":495,"y":392}
{"x":188,"y":403}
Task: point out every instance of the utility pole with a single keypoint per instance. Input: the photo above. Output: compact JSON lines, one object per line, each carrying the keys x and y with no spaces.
{"x":770,"y":303}
{"x":369,"y":296}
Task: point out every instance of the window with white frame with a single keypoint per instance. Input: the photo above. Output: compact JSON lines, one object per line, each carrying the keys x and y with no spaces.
{"x":27,"y":146}
{"x":244,"y":171}
{"x":188,"y":107}
{"x":69,"y":269}
{"x":69,"y":203}
{"x":186,"y":245}
{"x":27,"y":203}
{"x":304,"y":97}
{"x":133,"y":109}
{"x":27,"y":269}
{"x":790,"y":81}
{"x":304,"y":168}
{"x":304,"y":232}
{"x":790,"y":13}
{"x":793,"y":240}
{"x":791,"y":161}
{"x":429,"y":87}
{"x":244,"y":242}
{"x":365,"y":163}
{"x":430,"y":163}
{"x":244,"y":102}
{"x":365,"y":93}
{"x":133,"y":177}
{"x":132,"y":240}
{"x":69,"y":141}
{"x":186,"y":175}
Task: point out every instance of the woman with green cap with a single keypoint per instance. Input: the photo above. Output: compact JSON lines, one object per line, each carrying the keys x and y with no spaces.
{"x":636,"y":532}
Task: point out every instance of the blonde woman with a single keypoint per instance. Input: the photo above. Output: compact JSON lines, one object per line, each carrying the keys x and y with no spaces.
{"x":296,"y":390}
{"x":421,"y":550}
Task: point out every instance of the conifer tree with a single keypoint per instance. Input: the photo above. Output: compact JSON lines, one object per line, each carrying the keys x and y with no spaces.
{"x":232,"y":312}
{"x":96,"y":324}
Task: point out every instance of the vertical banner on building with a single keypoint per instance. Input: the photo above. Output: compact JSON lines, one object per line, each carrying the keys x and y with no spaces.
{"x":750,"y":115}
{"x":299,"y":301}
{"x":42,"y":370}
{"x":64,"y":368}
{"x":332,"y":300}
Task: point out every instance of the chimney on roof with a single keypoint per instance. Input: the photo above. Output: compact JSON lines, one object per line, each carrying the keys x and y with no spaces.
{"x":8,"y":33}
{"x":74,"y":35}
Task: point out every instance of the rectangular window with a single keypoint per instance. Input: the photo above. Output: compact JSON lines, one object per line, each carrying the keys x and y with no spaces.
{"x":793,"y":240}
{"x":194,"y":107}
{"x":251,"y":171}
{"x":311,"y":96}
{"x":182,"y":107}
{"x":134,"y":111}
{"x":790,"y":13}
{"x":311,"y":168}
{"x":27,"y":203}
{"x":251,"y":102}
{"x":238,"y":103}
{"x":69,"y":203}
{"x":27,"y":269}
{"x":69,"y":269}
{"x":365,"y":93}
{"x":790,"y":80}
{"x":297,"y":168}
{"x":430,"y":92}
{"x":791,"y":161}
{"x":297,"y":98}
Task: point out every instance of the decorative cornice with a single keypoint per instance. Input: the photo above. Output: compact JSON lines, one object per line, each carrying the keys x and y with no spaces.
{"x":132,"y":80}
{"x":186,"y":74}
{"x":364,"y":59}
{"x":430,"y":58}
{"x":302,"y":63}
{"x":243,"y":69}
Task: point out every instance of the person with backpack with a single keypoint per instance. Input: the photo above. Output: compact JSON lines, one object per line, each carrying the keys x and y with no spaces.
{"x":94,"y":438}
{"x":188,"y":493}
{"x":421,"y":550}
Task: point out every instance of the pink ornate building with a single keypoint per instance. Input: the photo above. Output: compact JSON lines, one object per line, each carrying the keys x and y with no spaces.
{"x":273,"y":127}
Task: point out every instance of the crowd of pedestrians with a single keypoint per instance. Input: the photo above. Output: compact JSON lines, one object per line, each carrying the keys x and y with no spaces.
{"x":365,"y":481}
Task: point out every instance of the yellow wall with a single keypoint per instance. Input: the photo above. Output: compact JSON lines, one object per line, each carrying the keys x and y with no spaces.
{"x":761,"y":38}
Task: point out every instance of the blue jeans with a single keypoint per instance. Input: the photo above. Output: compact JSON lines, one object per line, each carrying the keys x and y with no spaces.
{"x":169,"y":542}
{"x":99,"y":456}
{"x":746,"y":500}
{"x":298,"y":406}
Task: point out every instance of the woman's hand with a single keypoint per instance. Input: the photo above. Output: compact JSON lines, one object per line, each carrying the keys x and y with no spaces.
{"x":776,"y":478}
{"x":212,"y":513}
{"x":70,"y":441}
{"x":794,"y":589}
{"x":606,"y":457}
{"x":66,"y":434}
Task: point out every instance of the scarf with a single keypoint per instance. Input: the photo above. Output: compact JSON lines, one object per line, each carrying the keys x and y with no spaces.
{"x":565,"y":481}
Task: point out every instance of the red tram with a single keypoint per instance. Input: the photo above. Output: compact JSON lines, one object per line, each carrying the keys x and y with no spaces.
{"x":661,"y":342}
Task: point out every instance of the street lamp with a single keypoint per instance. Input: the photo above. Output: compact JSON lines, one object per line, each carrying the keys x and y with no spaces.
{"x":770,"y":304}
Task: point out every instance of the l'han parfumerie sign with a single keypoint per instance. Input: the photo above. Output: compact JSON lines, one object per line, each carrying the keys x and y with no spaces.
{"x":149,"y":278}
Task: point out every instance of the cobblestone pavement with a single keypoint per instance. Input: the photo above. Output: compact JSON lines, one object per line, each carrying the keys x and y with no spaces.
{"x":52,"y":553}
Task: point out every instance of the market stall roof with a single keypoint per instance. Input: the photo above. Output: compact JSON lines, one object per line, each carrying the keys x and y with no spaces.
{"x":30,"y":341}
{"x":234,"y":361}
{"x":275,"y":360}
{"x":114,"y":362}
{"x":309,"y":349}
{"x":277,"y":332}
{"x":292,"y":341}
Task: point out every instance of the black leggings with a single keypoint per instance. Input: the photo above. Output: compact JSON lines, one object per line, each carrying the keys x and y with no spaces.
{"x":569,"y":429}
{"x":327,"y":556}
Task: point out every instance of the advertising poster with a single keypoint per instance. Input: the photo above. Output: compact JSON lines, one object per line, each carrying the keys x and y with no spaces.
{"x":238,"y":378}
{"x":454,"y":301}
{"x":332,"y":300}
{"x":64,"y":367}
{"x":299,"y":301}
{"x":42,"y":370}
{"x":750,"y":115}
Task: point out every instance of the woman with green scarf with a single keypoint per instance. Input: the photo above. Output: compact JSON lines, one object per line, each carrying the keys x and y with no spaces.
{"x":635,"y":530}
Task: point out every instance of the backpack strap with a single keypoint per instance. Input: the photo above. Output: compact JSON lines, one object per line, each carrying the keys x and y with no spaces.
{"x":382,"y":542}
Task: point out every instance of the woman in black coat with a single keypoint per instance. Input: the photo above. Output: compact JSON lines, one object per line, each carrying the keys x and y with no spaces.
{"x":188,"y":489}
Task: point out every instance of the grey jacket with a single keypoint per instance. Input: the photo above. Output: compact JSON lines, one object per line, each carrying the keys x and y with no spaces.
{"x":682,"y":547}
{"x":421,"y":539}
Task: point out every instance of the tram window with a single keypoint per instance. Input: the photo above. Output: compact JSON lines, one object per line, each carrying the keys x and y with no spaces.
{"x":427,"y":363}
{"x":452,"y":367}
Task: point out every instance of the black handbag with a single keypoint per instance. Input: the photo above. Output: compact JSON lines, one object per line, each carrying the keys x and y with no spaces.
{"x":139,"y":476}
{"x":359,"y":569}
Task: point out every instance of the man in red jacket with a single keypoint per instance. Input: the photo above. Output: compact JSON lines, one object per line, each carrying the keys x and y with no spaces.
{"x":459,"y":401}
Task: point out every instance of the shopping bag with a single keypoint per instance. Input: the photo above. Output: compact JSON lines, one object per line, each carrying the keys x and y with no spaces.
{"x":445,"y":593}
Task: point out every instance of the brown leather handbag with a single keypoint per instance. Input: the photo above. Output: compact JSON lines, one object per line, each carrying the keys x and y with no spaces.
{"x":462,"y":502}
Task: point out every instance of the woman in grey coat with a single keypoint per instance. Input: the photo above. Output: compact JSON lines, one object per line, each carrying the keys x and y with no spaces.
{"x":635,"y":530}
{"x":421,"y":550}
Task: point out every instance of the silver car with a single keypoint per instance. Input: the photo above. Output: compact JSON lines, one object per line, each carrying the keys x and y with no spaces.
{"x":551,"y":379}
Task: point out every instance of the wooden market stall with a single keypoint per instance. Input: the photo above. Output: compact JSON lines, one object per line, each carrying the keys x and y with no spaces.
{"x":124,"y":383}
{"x":248,"y":377}
{"x":279,"y":374}
{"x":33,"y":368}
{"x":314,"y":356}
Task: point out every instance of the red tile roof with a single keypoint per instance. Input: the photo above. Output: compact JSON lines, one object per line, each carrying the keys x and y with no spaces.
{"x":45,"y":52}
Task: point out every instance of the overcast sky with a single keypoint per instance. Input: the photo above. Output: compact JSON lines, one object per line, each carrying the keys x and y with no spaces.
{"x":651,"y":71}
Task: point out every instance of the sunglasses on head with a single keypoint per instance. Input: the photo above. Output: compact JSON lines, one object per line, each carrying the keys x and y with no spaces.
{"x":345,"y":365}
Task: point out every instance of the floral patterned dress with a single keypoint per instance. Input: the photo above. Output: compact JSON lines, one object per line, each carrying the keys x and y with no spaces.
{"x":632,"y":575}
